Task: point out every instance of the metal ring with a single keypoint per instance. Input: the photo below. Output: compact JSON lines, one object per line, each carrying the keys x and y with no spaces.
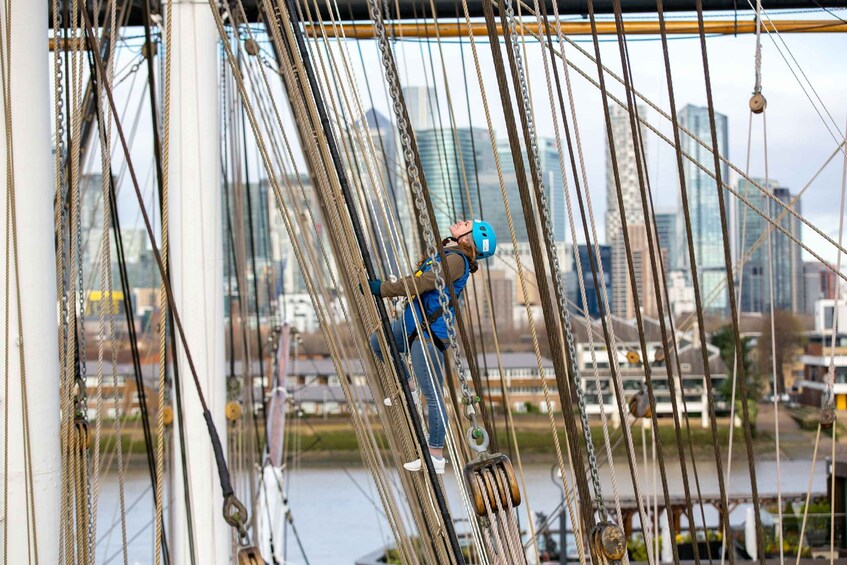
{"x":481,"y":447}
{"x":235,"y":514}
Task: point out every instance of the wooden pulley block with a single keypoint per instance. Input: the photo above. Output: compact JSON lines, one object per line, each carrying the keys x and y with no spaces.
{"x":827,"y":419}
{"x":609,"y":540}
{"x":639,"y":405}
{"x":250,"y":555}
{"x":149,"y":49}
{"x":758,"y":103}
{"x":83,"y":434}
{"x":633,"y":358}
{"x":251,"y":46}
{"x":492,"y":477}
{"x":660,"y":356}
{"x":233,"y":410}
{"x":168,"y":415}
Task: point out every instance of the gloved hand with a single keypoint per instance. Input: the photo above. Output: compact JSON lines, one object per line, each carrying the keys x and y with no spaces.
{"x":375,"y":286}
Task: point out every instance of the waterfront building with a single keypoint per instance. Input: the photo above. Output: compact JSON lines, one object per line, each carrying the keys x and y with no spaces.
{"x":819,"y":282}
{"x":818,"y":355}
{"x":316,"y":382}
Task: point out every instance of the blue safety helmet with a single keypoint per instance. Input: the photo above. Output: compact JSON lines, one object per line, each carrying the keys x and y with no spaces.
{"x":484,"y":239}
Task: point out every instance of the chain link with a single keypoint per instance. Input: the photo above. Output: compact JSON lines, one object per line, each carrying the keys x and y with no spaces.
{"x":548,"y":234}
{"x":59,"y":33}
{"x":476,"y":432}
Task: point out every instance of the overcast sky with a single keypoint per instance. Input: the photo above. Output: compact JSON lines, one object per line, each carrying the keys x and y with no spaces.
{"x":798,"y":139}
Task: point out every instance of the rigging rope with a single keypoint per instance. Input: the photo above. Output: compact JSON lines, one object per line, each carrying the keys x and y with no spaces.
{"x":732,"y":302}
{"x":161,"y":145}
{"x":234,"y":510}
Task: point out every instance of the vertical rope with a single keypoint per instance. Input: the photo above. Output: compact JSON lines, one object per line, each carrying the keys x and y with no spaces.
{"x":163,"y":298}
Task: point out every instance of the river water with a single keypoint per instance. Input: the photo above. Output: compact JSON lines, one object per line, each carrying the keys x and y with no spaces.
{"x":337,"y":522}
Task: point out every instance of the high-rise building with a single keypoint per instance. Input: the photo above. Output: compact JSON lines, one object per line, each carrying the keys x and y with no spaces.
{"x":666,"y":236}
{"x":450,"y":168}
{"x":386,"y":164}
{"x":704,"y":206}
{"x":628,"y":188}
{"x":592,"y":289}
{"x":820,"y":283}
{"x":419,"y":105}
{"x":624,"y":303}
{"x":551,"y":174}
{"x":783,"y":260}
{"x":630,"y":191}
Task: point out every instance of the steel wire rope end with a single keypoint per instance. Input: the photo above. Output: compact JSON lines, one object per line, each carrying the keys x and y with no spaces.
{"x":235,"y":514}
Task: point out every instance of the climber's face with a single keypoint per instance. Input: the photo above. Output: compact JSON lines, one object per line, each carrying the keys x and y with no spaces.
{"x":461,"y":231}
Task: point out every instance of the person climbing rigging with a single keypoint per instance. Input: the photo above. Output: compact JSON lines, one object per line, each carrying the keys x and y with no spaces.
{"x":469,"y":241}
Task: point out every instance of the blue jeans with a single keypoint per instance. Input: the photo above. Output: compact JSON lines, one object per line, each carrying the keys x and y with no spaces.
{"x":436,"y":416}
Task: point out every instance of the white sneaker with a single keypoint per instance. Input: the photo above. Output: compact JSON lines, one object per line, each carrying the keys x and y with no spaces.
{"x":437,"y":462}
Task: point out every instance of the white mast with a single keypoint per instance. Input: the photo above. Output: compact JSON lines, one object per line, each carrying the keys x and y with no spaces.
{"x":196,"y":253}
{"x":33,"y":168}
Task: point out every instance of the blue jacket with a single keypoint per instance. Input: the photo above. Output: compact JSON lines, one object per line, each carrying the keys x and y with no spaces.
{"x":430,"y":301}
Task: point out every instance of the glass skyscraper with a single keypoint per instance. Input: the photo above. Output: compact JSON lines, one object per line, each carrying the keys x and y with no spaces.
{"x":554,"y":187}
{"x":450,"y":161}
{"x":785,"y":259}
{"x":703,"y":204}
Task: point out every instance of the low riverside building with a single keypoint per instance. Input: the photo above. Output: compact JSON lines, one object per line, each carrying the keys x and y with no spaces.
{"x":314,"y":383}
{"x":818,"y":355}
{"x":525,"y":387}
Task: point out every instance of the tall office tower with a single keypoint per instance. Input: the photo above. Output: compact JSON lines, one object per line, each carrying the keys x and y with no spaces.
{"x":623,"y":301}
{"x":820,"y":283}
{"x":449,"y":166}
{"x":386,"y":165}
{"x":420,"y":104}
{"x":499,"y":311}
{"x":704,"y":206}
{"x":554,"y":188}
{"x":784,"y":260}
{"x":626,"y":155}
{"x":666,"y":236}
{"x":592,"y":289}
{"x":287,"y":274}
{"x":789,"y":291}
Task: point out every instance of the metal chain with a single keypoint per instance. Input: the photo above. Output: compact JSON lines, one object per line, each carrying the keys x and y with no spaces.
{"x":477,"y":435}
{"x":61,"y":151}
{"x":548,"y":233}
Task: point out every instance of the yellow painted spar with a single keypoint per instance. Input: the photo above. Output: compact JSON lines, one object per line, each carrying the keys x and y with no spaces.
{"x":675,"y":27}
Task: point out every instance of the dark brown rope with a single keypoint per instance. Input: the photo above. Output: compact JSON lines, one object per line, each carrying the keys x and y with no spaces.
{"x":627,"y":244}
{"x":593,"y":261}
{"x":658,"y":276}
{"x":742,"y":374}
{"x":548,"y":310}
{"x":695,"y":282}
{"x":672,"y":325}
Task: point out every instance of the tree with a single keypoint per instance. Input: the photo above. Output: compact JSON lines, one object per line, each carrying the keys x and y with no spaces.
{"x":724,"y":340}
{"x":788,"y":338}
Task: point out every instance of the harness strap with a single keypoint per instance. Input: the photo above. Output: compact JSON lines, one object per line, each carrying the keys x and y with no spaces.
{"x":435,"y":314}
{"x":431,"y":318}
